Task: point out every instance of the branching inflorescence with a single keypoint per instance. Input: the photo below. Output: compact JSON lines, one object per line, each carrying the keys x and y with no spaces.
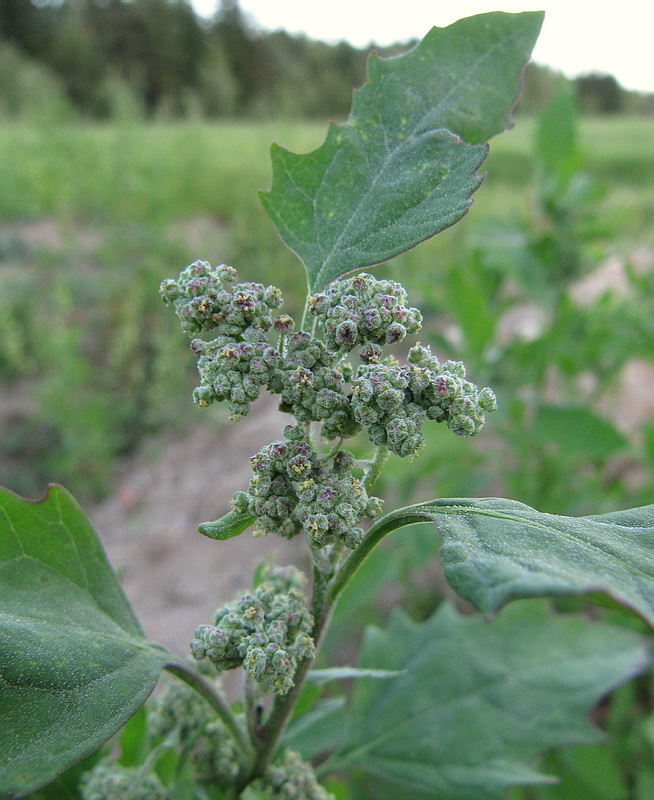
{"x":337,"y":382}
{"x":311,"y":373}
{"x":294,"y":488}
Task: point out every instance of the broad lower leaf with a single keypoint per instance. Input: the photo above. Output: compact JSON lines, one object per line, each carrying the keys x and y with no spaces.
{"x":74,"y":664}
{"x":405,"y":165}
{"x":480,"y":698}
{"x":495,"y":550}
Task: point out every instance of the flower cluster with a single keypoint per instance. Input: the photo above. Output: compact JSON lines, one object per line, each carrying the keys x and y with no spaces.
{"x":332,"y":503}
{"x":209,"y":299}
{"x":180,"y":711}
{"x":293,"y":779}
{"x":392,"y":402}
{"x":366,"y":313}
{"x":215,"y":758}
{"x":312,"y":386}
{"x":178,"y":708}
{"x":109,"y":781}
{"x":266,"y":631}
{"x":293,"y":489}
{"x":238,"y":361}
{"x":235,"y":372}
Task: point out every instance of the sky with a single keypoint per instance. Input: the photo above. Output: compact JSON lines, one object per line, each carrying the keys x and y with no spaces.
{"x":578,"y":36}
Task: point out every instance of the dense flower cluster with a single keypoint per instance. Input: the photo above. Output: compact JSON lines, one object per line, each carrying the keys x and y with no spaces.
{"x":235,"y":372}
{"x":392,"y":402}
{"x":178,"y":708}
{"x":109,"y":781}
{"x":363,"y":311}
{"x":293,"y":489}
{"x":293,"y":779}
{"x":266,"y":631}
{"x":238,"y":361}
{"x":209,"y":299}
{"x":180,"y":711}
{"x":312,"y":386}
{"x":215,"y":758}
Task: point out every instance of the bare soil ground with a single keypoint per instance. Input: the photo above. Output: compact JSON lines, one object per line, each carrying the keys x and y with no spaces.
{"x":174,"y":577}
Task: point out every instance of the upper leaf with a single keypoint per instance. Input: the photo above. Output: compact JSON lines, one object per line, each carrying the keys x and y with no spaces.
{"x":405,"y":165}
{"x":74,"y":664}
{"x":495,"y":550}
{"x":478,"y":699}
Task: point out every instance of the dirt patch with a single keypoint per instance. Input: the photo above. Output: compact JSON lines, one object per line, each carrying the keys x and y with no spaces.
{"x":174,"y":577}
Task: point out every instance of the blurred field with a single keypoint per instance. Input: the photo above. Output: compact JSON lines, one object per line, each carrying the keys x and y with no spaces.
{"x":93,"y":217}
{"x":159,"y":172}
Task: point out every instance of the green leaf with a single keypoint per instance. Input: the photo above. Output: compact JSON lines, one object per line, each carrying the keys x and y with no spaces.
{"x":319,"y":730}
{"x":469,"y":304}
{"x":74,"y":664}
{"x":480,"y":698}
{"x":577,"y":430}
{"x":134,"y":740}
{"x":556,"y":140}
{"x":323,"y":676}
{"x":405,"y":165}
{"x":592,"y":772}
{"x":495,"y":550}
{"x":233,"y":523}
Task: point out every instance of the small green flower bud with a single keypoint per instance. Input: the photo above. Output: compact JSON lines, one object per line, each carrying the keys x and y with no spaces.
{"x":292,"y":779}
{"x":110,"y":781}
{"x":359,"y":311}
{"x":207,"y":298}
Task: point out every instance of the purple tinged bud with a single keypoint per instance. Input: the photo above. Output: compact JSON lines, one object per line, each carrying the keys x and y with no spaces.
{"x":346,"y":334}
{"x":283,"y":323}
{"x":395,"y":333}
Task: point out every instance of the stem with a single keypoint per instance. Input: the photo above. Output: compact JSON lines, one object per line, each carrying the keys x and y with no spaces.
{"x":283,"y":705}
{"x":252,"y":714}
{"x":325,"y":595}
{"x":376,"y":466}
{"x":382,"y":527}
{"x":305,"y":313}
{"x":217,"y":702}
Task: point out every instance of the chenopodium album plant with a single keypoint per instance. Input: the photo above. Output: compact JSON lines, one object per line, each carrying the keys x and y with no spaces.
{"x":451,"y":707}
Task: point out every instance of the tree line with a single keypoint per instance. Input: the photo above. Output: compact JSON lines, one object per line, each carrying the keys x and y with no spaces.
{"x":101,"y":57}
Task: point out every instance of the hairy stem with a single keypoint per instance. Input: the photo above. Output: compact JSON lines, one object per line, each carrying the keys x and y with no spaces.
{"x":382,"y":527}
{"x":217,"y":702}
{"x":376,"y":466}
{"x":252,"y":712}
{"x":305,"y":313}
